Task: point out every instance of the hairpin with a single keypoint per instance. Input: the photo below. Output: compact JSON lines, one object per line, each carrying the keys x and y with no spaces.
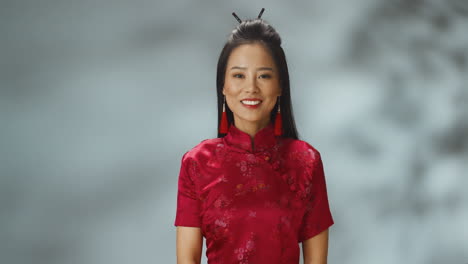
{"x":240,"y":21}
{"x":261,"y":12}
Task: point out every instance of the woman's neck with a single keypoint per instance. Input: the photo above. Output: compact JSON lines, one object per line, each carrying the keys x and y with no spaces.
{"x":251,"y":128}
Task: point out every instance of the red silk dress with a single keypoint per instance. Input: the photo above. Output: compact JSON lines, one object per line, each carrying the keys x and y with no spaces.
{"x":254,"y":202}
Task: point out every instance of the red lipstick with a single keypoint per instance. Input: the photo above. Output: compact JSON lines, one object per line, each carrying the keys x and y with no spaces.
{"x":251,"y":106}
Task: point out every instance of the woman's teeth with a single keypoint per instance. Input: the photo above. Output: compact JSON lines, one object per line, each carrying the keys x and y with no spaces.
{"x":251,"y":102}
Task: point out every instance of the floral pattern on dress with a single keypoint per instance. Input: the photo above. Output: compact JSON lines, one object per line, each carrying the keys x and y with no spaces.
{"x":218,"y":225}
{"x":222,"y":154}
{"x":251,"y":186}
{"x":299,"y":177}
{"x":244,"y":169}
{"x":244,"y":253}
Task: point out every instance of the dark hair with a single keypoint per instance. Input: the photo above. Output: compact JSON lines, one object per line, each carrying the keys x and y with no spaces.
{"x":258,"y":31}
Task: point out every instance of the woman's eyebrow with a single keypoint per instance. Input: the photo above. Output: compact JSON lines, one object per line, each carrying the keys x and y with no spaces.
{"x":258,"y":69}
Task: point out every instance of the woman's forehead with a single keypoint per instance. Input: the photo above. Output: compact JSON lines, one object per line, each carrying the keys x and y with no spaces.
{"x":250,"y":56}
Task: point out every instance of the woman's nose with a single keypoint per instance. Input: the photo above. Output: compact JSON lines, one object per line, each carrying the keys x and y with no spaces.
{"x":251,"y":84}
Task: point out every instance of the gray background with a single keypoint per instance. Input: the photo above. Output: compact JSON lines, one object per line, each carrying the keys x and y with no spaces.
{"x":100,"y":99}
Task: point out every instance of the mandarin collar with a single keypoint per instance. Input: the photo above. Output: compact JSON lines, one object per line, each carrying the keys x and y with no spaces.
{"x":264,"y":139}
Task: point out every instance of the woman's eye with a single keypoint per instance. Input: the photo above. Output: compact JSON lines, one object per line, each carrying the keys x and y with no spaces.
{"x":239,"y":75}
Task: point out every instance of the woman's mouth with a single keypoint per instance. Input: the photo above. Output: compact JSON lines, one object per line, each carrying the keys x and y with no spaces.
{"x":251,"y":104}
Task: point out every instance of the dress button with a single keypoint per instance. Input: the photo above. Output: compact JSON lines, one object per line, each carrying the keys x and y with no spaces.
{"x":267,"y":158}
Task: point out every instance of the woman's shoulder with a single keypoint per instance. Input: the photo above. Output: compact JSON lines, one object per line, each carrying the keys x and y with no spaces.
{"x":298,"y":147}
{"x":302,"y":162}
{"x":203,"y":149}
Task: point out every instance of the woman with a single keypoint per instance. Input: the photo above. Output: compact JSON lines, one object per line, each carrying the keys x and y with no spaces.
{"x":256,"y":191}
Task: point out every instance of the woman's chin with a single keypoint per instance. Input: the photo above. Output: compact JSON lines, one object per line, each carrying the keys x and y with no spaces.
{"x":253,"y":119}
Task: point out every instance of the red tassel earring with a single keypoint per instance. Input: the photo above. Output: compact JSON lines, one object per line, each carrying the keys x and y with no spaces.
{"x":278,"y":121}
{"x":223,"y":128}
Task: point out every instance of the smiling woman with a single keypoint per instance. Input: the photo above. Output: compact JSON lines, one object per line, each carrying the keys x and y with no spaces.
{"x":252,"y":88}
{"x":252,"y":192}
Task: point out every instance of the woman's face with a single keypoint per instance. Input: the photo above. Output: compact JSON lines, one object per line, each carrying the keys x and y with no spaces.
{"x":251,"y":73}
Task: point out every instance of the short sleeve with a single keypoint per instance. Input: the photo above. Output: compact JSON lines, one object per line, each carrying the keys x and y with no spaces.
{"x":188,"y":202}
{"x":317,"y":216}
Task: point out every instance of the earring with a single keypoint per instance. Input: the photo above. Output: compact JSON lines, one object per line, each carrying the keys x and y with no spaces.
{"x":278,"y":121}
{"x":223,"y":128}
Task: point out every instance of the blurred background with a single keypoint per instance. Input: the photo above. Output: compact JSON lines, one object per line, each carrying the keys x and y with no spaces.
{"x":99,"y":100}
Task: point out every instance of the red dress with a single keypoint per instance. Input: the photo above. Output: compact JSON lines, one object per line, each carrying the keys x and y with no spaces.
{"x":253,"y":204}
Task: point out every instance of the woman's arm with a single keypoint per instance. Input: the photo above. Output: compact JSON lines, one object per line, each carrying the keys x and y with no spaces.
{"x":189,"y":243}
{"x":315,"y":249}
